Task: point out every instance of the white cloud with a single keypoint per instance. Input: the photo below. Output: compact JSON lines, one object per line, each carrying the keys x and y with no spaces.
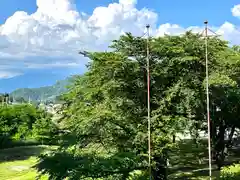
{"x":128,"y":2}
{"x":3,"y":41}
{"x":169,"y":29}
{"x":58,"y":29}
{"x":230,"y":32}
{"x":236,"y":10}
{"x":51,"y":65}
{"x":8,"y":74}
{"x":57,"y":26}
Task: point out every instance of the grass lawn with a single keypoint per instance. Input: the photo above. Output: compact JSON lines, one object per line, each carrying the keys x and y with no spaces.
{"x":19,"y":170}
{"x":17,"y":163}
{"x":190,"y":161}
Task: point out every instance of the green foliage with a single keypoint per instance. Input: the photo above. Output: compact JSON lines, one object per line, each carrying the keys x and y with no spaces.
{"x":138,"y":175}
{"x":230,"y":172}
{"x":89,"y":166}
{"x":107,"y":107}
{"x":20,"y":123}
{"x":44,"y":130}
{"x":17,"y":119}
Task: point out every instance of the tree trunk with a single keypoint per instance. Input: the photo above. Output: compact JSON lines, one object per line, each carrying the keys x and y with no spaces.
{"x":220,"y":147}
{"x":174,"y":138}
{"x":230,"y":137}
{"x":160,"y":171}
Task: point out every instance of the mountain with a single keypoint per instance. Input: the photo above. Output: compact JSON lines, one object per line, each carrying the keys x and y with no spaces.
{"x":33,"y":79}
{"x":46,"y":93}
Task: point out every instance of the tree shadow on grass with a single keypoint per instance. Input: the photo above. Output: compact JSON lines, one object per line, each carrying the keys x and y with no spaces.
{"x":190,"y":161}
{"x":61,"y":165}
{"x":188,"y":156}
{"x":20,"y":153}
{"x":197,"y":174}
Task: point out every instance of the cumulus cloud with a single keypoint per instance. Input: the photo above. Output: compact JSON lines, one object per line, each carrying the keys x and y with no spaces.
{"x":57,"y":26}
{"x":57,"y":29}
{"x":169,"y":29}
{"x":230,"y":32}
{"x":236,"y":10}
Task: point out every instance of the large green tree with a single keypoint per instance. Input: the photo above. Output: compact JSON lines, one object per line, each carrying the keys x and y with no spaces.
{"x":225,"y":102}
{"x":105,"y":110}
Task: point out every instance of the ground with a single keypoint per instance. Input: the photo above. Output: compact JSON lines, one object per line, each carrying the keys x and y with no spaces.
{"x":17,"y":163}
{"x":188,"y":162}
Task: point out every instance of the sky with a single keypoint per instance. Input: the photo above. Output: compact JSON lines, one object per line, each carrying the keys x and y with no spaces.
{"x":39,"y":39}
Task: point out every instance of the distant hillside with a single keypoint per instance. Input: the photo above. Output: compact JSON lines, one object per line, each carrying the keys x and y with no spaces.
{"x":47,"y":93}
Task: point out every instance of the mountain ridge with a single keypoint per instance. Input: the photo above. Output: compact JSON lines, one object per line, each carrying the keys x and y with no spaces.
{"x":44,"y":93}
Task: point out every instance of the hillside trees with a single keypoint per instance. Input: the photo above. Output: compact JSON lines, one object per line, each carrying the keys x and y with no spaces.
{"x":19,"y":123}
{"x":105,"y":110}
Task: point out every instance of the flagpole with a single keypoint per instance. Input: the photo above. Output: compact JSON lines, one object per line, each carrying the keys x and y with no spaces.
{"x":208,"y":109}
{"x":148,"y":104}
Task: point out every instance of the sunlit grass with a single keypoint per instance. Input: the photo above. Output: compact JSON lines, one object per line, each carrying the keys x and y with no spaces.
{"x":17,"y":163}
{"x":19,"y":170}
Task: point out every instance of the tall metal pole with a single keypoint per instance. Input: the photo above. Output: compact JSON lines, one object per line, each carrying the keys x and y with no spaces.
{"x":207,"y":93}
{"x":149,"y":118}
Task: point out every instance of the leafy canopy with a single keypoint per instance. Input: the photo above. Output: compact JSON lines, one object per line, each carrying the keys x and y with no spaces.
{"x":105,"y":110}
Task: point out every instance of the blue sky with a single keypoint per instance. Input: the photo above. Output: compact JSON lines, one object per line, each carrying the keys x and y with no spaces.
{"x":186,"y":12}
{"x":33,"y":46}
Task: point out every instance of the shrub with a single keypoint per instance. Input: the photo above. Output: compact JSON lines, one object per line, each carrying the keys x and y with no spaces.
{"x":230,"y":172}
{"x":138,"y":175}
{"x":45,"y":131}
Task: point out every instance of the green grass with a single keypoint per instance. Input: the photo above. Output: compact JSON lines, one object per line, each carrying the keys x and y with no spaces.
{"x":187,"y":162}
{"x":190,"y":161}
{"x":17,"y":163}
{"x":19,"y":170}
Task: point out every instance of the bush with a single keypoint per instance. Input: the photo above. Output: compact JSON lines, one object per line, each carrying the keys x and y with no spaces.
{"x":25,"y":124}
{"x":230,"y":172}
{"x":45,"y":131}
{"x":138,"y":175}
